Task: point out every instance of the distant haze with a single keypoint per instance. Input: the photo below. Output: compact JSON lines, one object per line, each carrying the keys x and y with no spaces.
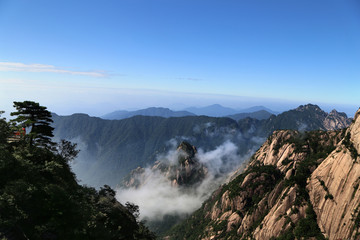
{"x":97,"y":57}
{"x":101,"y":104}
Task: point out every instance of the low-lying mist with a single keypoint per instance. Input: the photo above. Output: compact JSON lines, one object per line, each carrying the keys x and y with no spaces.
{"x":157,"y":196}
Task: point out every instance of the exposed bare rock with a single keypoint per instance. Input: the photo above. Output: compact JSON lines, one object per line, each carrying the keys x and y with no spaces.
{"x":277,"y":151}
{"x":335,"y":120}
{"x":355,"y":131}
{"x":279,"y":217}
{"x":186,"y":171}
{"x":302,"y":185}
{"x":334,"y":190}
{"x":233,"y":221}
{"x":135,"y":182}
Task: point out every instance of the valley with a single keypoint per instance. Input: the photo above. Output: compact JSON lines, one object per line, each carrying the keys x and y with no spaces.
{"x":179,"y":120}
{"x":141,"y":156}
{"x":296,"y":186}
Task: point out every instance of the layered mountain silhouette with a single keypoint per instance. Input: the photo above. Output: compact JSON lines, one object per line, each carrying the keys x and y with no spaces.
{"x":260,"y":115}
{"x":216,"y":110}
{"x":298,"y":185}
{"x":256,"y":109}
{"x":185,"y":171}
{"x":153,"y":111}
{"x":112,"y":148}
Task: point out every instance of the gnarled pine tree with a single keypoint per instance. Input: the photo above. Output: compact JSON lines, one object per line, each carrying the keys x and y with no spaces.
{"x":32,"y":116}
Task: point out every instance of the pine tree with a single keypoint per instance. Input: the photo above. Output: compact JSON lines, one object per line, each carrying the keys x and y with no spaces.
{"x":4,"y":130}
{"x":31,"y":115}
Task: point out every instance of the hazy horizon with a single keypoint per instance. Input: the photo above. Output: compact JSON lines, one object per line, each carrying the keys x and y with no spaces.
{"x":97,"y":57}
{"x":235,"y":102}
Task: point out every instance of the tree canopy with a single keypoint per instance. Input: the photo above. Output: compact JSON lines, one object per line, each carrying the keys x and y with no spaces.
{"x":31,"y":115}
{"x":40,"y":197}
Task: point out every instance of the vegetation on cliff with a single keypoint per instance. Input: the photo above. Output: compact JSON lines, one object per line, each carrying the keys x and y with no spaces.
{"x":269,"y":195}
{"x":113,"y":148}
{"x":39,"y":195}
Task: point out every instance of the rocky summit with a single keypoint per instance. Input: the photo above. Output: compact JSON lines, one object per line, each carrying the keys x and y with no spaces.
{"x":183,"y":171}
{"x":298,"y":185}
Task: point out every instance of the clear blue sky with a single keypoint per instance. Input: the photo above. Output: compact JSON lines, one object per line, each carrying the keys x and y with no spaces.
{"x":100,"y":56}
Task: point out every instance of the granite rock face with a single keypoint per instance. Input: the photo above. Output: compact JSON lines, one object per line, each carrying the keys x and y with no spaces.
{"x":335,"y":120}
{"x":184,"y":171}
{"x":338,"y":176}
{"x":295,"y":181}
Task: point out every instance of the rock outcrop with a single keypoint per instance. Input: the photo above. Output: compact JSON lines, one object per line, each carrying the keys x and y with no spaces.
{"x":185,"y":171}
{"x":334,"y":188}
{"x":298,"y":185}
{"x":336,"y":120}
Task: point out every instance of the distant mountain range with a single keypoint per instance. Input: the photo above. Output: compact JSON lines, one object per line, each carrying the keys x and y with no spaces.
{"x":153,"y":111}
{"x":296,"y":186}
{"x":260,"y":115}
{"x":256,"y":109}
{"x":216,"y":110}
{"x":111,"y":149}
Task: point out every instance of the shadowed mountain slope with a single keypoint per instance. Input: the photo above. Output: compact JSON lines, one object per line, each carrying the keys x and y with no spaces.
{"x":292,"y":188}
{"x":112,"y":148}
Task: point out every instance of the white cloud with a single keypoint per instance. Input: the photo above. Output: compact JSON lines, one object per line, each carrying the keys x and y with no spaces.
{"x":36,"y":67}
{"x":157,"y":197}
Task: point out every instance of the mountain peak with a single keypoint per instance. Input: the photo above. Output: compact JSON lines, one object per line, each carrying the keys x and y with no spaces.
{"x":354,"y":131}
{"x":293,"y":183}
{"x":187,"y":148}
{"x":309,"y":107}
{"x":336,"y":113}
{"x":151,"y":111}
{"x":215,"y":110}
{"x":187,"y":171}
{"x":357,"y":114}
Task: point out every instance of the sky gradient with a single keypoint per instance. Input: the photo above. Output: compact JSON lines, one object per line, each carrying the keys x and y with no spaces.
{"x":100,"y":56}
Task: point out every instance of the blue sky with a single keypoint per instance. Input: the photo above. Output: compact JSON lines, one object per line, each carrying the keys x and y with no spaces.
{"x":100,"y":56}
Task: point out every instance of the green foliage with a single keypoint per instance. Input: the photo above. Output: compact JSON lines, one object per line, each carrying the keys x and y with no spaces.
{"x":350,"y":146}
{"x":308,"y":227}
{"x":316,"y":145}
{"x":191,"y":228}
{"x":161,"y":226}
{"x":270,"y":177}
{"x":288,"y":235}
{"x":276,"y":149}
{"x":312,"y":147}
{"x":328,"y":194}
{"x":220,"y":226}
{"x":356,"y":187}
{"x":31,"y":115}
{"x":310,"y":117}
{"x":356,"y":219}
{"x":120,"y":146}
{"x":4,"y":131}
{"x":67,"y":150}
{"x":265,"y":178}
{"x":286,"y":161}
{"x":40,"y":199}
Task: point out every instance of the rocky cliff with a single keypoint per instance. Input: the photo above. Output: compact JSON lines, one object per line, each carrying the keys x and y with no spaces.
{"x":184,"y":171}
{"x":338,"y":176}
{"x":110,"y":149}
{"x":298,"y":185}
{"x":336,"y":120}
